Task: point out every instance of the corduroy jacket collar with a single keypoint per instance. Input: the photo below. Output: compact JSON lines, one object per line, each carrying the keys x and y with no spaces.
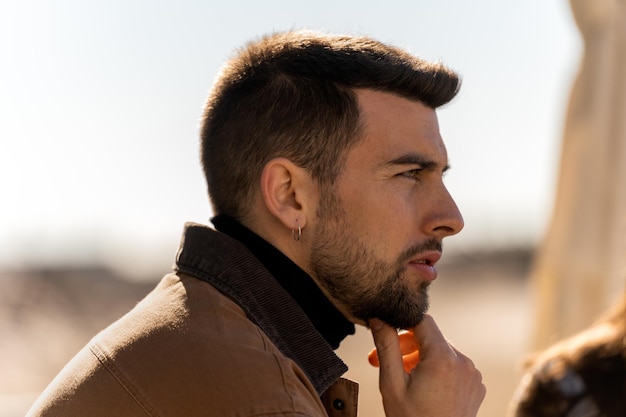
{"x":229,"y":266}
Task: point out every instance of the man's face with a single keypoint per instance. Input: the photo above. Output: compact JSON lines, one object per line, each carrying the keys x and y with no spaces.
{"x":378,"y":234}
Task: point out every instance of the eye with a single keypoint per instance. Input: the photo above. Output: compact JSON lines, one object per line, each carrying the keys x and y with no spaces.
{"x":413,"y":173}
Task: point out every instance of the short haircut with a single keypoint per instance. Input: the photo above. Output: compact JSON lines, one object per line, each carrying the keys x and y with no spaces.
{"x":291,"y":95}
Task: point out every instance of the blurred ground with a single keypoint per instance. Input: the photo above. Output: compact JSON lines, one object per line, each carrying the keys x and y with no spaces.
{"x":480,"y":300}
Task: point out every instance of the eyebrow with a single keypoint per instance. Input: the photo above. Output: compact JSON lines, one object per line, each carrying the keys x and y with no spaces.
{"x":417,"y":159}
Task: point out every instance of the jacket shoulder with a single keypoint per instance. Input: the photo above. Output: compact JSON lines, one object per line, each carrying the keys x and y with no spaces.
{"x":186,"y":349}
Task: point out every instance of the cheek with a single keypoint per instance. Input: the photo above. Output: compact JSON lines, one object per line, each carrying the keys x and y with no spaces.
{"x":387,"y":225}
{"x":384,"y":215}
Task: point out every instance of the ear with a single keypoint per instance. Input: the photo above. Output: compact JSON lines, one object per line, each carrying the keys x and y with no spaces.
{"x":286,"y":189}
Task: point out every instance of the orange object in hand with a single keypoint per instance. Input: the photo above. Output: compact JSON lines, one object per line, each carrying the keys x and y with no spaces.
{"x":408,"y":347}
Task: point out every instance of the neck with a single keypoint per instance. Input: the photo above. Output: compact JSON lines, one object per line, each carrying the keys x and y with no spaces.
{"x":326,"y":318}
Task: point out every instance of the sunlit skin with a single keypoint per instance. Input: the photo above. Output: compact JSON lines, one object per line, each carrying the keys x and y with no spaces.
{"x":377,"y":255}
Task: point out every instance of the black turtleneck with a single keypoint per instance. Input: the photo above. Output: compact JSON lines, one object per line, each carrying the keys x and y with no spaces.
{"x":331,"y":324}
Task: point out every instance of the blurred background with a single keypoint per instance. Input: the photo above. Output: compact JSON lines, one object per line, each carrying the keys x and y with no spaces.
{"x":99,"y":168}
{"x":101,"y":102}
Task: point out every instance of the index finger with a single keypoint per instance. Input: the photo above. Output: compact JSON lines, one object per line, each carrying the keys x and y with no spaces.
{"x":389,"y":354}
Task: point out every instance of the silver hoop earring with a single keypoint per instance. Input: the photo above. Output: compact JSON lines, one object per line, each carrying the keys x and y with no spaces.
{"x":297,"y":236}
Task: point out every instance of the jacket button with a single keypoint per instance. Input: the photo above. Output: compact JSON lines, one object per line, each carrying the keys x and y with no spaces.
{"x":338,"y":404}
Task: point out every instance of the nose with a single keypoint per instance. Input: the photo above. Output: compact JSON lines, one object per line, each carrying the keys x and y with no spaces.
{"x":445,"y":219}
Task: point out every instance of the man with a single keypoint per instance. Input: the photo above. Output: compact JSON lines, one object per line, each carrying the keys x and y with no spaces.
{"x":324,"y":165}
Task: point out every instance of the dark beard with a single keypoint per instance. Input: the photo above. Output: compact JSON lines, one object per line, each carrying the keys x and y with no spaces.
{"x":395,"y":307}
{"x":367,"y":287}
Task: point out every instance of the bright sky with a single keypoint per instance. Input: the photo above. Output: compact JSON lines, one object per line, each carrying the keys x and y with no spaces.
{"x":100,"y":102}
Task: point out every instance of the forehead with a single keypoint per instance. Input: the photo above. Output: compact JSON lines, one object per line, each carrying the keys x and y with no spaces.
{"x":394,"y":127}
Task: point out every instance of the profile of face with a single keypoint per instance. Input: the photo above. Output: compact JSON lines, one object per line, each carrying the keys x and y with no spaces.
{"x":378,"y":234}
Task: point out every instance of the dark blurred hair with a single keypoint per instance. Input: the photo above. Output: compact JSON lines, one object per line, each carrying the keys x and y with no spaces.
{"x":292,"y":95}
{"x":582,"y":376}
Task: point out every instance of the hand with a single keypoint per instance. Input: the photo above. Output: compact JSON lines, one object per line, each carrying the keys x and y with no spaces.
{"x":445,"y":383}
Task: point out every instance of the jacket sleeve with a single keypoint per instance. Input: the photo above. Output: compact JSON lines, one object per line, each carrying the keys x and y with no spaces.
{"x":86,"y":387}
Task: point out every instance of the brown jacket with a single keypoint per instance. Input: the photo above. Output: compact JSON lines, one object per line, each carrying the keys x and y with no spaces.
{"x":217,"y":338}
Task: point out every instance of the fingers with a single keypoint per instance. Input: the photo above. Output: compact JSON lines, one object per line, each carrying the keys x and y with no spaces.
{"x":389,"y":354}
{"x":429,"y":336}
{"x":444,"y":383}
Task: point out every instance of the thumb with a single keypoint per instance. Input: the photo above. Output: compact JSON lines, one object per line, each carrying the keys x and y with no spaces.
{"x":432,"y":341}
{"x":389,"y":353}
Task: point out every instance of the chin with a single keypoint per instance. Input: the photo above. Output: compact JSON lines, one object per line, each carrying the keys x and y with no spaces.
{"x":403,"y":323}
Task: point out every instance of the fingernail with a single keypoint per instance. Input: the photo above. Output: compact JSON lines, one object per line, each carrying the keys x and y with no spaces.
{"x":376,"y":324}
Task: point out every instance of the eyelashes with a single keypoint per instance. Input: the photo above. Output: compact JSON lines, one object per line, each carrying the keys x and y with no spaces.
{"x":412,"y":174}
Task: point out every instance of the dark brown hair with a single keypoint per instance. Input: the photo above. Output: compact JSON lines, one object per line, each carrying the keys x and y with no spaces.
{"x":292,"y":95}
{"x":581,"y":375}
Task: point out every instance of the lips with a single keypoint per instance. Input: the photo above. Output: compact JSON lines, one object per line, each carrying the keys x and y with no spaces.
{"x":424,"y":264}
